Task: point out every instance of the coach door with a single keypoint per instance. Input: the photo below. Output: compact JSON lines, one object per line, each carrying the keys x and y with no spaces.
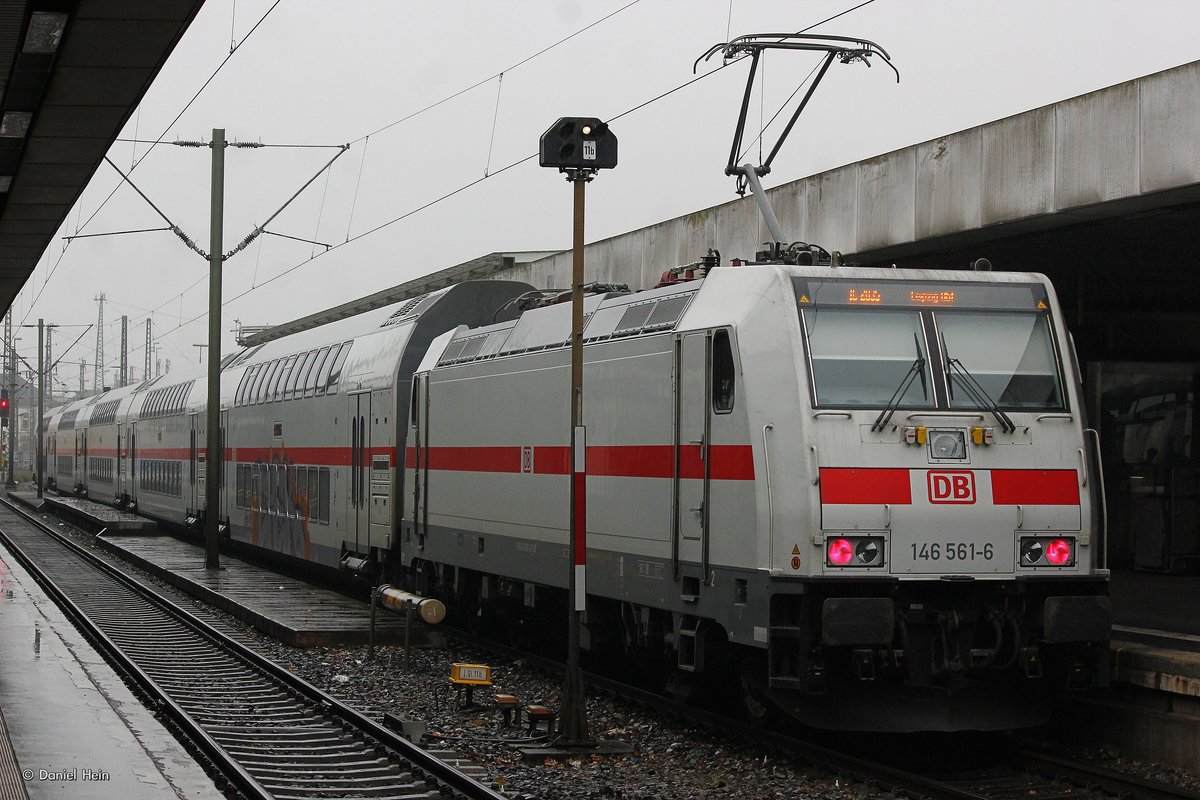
{"x":223,"y":472}
{"x":119,"y":473}
{"x":418,"y":437}
{"x":690,"y":508}
{"x":195,"y":486}
{"x":379,"y":466}
{"x":360,"y":447}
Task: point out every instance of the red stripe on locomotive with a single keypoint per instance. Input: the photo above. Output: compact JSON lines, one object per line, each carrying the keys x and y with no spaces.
{"x":1035,"y":487}
{"x":842,"y":486}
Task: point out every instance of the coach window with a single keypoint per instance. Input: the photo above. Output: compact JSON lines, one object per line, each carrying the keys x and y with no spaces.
{"x":241,"y":390}
{"x":313,"y":493}
{"x":264,"y":488}
{"x":323,"y":371}
{"x":722,"y":373}
{"x":327,"y":367}
{"x":323,"y":496}
{"x":276,"y":378}
{"x":285,"y":376}
{"x":259,"y":377}
{"x":301,"y":376}
{"x":336,"y":373}
{"x":246,"y":383}
{"x":310,"y":384}
{"x":294,"y":378}
{"x":248,"y":394}
{"x":264,"y":388}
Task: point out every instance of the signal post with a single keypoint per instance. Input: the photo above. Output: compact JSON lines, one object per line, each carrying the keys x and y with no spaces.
{"x":578,"y":147}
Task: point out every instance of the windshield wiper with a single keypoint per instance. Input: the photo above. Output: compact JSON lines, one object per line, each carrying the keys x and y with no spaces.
{"x":975,"y":391}
{"x":917,"y":368}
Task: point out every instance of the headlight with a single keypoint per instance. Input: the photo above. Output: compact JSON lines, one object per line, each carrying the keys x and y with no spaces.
{"x":948,"y":444}
{"x":854,"y":551}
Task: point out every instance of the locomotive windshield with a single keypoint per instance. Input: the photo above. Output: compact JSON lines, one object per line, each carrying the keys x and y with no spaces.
{"x":861,"y":358}
{"x":1010,"y":355}
{"x":991,"y":345}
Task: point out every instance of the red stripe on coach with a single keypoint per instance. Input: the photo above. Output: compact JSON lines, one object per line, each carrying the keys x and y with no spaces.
{"x":843,"y":486}
{"x":1035,"y":487}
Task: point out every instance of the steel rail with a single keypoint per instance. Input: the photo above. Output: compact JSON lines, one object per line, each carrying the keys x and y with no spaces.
{"x":437,"y":773}
{"x":1100,"y":778}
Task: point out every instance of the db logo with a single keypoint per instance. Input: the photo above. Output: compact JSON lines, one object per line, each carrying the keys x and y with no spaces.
{"x":952,"y":487}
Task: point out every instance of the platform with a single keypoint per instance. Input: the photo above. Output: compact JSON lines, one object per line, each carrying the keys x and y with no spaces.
{"x":1156,"y":631}
{"x":69,"y":727}
{"x":95,"y":516}
{"x":293,"y":611}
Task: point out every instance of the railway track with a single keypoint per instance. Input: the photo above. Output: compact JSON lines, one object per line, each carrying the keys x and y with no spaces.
{"x":266,"y":732}
{"x":309,"y":734}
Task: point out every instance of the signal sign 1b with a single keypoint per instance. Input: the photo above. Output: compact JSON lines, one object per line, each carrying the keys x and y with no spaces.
{"x":578,"y":143}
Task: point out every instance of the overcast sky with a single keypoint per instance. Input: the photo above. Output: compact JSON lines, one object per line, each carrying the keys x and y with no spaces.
{"x":332,"y":73}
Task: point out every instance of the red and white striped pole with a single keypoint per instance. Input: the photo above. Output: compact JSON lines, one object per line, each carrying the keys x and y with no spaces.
{"x":574,"y":711}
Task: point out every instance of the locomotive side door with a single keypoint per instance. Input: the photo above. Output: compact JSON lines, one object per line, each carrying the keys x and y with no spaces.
{"x":691,"y":511}
{"x":358,"y":507}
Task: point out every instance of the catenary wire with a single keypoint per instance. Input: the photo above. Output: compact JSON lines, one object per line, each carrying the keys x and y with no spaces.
{"x":475,"y":182}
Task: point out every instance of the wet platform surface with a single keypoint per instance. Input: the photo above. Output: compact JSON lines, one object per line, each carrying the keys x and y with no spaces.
{"x":70,"y":727}
{"x":98,"y":514}
{"x":291,"y":610}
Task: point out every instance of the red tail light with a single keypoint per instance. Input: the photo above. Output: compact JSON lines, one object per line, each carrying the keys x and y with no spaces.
{"x":841,"y":551}
{"x":1058,"y":551}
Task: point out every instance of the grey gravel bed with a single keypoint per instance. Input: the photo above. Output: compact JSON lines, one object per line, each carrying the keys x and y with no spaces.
{"x":669,"y":762}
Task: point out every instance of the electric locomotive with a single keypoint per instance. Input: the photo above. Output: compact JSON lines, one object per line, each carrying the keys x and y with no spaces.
{"x":866,"y":496}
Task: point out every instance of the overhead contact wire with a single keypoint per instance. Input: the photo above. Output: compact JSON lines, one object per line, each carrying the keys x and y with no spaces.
{"x":473,"y":183}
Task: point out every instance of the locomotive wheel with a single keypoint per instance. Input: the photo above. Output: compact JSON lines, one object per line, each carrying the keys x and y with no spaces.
{"x":755,"y":706}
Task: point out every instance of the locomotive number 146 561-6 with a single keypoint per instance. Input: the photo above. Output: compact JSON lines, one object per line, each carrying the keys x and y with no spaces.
{"x":952,"y":551}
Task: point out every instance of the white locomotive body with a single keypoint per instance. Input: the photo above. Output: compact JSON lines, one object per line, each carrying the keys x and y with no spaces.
{"x":851,"y":484}
{"x":865,"y":496}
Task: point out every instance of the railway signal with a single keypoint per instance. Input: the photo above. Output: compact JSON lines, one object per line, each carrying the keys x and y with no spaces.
{"x":578,"y":147}
{"x":4,"y":408}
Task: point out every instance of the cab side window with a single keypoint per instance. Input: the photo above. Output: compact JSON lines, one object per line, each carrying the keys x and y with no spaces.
{"x":722,"y":373}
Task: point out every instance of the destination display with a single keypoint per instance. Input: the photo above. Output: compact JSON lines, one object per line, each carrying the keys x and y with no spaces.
{"x":919,"y":294}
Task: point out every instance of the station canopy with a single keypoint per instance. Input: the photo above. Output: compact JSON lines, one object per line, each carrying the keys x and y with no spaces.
{"x":71,"y":73}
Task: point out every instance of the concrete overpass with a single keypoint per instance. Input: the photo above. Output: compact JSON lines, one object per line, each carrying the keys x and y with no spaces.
{"x":1124,"y":156}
